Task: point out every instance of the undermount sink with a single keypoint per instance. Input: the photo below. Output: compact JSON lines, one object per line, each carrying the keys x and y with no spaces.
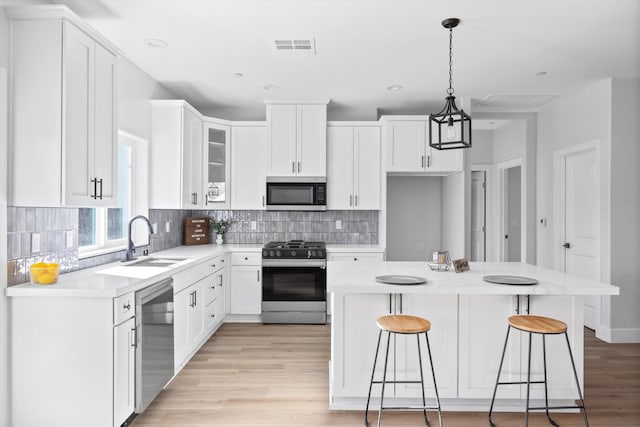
{"x":155,"y":262}
{"x":143,"y":268}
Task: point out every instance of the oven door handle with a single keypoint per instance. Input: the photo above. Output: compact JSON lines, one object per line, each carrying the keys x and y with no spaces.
{"x":321,"y":263}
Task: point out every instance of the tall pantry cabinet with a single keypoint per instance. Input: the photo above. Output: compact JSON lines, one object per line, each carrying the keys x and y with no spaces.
{"x":64,"y":77}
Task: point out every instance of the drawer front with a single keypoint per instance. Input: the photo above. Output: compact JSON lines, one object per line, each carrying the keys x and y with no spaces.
{"x":213,"y":285}
{"x":356,"y":256}
{"x":214,"y":313}
{"x":124,"y":307}
{"x":246,"y":258}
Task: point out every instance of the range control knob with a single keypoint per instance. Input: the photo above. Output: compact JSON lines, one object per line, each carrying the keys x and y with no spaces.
{"x":265,"y":253}
{"x":293,"y":253}
{"x":278,"y":253}
{"x":272,"y":253}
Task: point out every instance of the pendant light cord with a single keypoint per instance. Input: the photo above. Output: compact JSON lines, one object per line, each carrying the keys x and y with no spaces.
{"x":450,"y":90}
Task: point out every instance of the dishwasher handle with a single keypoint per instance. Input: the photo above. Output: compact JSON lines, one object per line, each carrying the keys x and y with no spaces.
{"x":152,"y":291}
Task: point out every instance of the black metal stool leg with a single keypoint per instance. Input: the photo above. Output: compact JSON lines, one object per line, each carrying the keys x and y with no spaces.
{"x":384,"y":378}
{"x":575,"y":374}
{"x":526,"y":414}
{"x":424,"y":399}
{"x":546,"y":392}
{"x":433,"y":373}
{"x":495,"y":389}
{"x":373,"y":371}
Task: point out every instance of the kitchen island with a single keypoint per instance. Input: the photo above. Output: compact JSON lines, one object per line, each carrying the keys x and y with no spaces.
{"x":469,"y":322}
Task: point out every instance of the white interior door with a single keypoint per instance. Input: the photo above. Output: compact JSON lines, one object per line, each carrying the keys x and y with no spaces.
{"x":478,"y":216}
{"x":581,"y":221}
{"x":511,"y":211}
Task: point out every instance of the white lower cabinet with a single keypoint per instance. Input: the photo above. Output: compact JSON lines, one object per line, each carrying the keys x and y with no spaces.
{"x":246,"y":283}
{"x":483,"y":328}
{"x":124,"y":373}
{"x":197,"y":308}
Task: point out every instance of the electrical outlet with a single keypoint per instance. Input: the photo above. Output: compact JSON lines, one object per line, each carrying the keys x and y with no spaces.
{"x":338,"y":224}
{"x":167,"y":227}
{"x":155,"y":227}
{"x":69,"y":238}
{"x":35,"y":243}
{"x":254,"y":225}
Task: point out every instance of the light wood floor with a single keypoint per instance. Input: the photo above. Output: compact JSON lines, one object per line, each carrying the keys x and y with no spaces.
{"x":277,"y":375}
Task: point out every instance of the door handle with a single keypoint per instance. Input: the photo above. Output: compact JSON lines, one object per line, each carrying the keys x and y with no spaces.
{"x":566,"y":245}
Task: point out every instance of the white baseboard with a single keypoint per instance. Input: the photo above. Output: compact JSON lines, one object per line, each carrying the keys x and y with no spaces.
{"x":618,"y":335}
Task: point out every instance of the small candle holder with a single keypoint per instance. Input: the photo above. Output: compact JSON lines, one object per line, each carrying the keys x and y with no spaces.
{"x":439,"y":260}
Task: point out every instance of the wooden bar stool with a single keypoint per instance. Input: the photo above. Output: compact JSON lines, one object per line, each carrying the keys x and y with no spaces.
{"x":543,"y":326}
{"x":406,"y":325}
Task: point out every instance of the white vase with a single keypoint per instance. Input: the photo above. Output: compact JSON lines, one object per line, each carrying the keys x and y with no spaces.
{"x":218,"y":239}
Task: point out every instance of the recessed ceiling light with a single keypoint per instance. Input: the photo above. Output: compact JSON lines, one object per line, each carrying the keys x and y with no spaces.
{"x":541,"y":73}
{"x":238,"y":74}
{"x":270,"y":87}
{"x":394,"y":87}
{"x":156,"y":43}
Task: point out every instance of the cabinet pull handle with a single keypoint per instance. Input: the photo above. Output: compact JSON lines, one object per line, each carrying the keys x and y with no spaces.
{"x":213,"y":265}
{"x":134,"y":338}
{"x":429,"y":161}
{"x":100,"y":181}
{"x":127,"y":306}
{"x":351,"y":200}
{"x":194,"y":198}
{"x":94,"y":181}
{"x":528,"y":304}
{"x":262,"y":200}
{"x":299,"y":167}
{"x":390,"y":309}
{"x":400,"y":303}
{"x":517,"y":304}
{"x":355,"y":259}
{"x":356,"y":197}
{"x":195,"y":298}
{"x":293,"y":167}
{"x":258,"y":275}
{"x":213,"y":315}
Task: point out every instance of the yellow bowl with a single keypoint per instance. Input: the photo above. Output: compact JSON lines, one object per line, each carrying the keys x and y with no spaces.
{"x":44,"y":274}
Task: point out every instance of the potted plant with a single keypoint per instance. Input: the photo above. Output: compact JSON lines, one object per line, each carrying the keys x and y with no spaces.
{"x":220,"y":227}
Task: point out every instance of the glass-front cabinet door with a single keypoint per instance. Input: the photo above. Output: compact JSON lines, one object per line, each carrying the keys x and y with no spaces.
{"x":217,"y":157}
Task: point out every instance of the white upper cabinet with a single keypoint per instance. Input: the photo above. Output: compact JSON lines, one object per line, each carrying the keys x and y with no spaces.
{"x":64,"y":112}
{"x":407,"y":148}
{"x":353,"y":172}
{"x":217,"y":161}
{"x":248,"y":166}
{"x":177,"y":156}
{"x":297,"y":139}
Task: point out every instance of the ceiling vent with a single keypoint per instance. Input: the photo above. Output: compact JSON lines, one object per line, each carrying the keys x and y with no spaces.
{"x":514,"y":101}
{"x":295,"y":46}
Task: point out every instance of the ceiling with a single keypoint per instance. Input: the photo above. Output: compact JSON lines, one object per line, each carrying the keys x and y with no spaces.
{"x":365,"y":46}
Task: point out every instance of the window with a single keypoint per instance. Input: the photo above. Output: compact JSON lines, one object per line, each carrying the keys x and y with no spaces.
{"x":105,"y":229}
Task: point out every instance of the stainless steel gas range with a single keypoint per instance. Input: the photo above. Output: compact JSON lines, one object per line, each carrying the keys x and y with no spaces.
{"x":294,"y":282}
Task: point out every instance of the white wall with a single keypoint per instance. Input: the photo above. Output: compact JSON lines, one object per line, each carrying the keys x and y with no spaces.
{"x":509,"y":141}
{"x":135,"y":89}
{"x":625,"y":209}
{"x":414,"y":217}
{"x":482,"y":147}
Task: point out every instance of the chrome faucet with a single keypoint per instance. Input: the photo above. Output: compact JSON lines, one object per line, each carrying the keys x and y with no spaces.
{"x":131,"y":249}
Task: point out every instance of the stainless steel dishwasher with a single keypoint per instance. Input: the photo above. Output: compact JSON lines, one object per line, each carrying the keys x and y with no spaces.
{"x":154,"y":342}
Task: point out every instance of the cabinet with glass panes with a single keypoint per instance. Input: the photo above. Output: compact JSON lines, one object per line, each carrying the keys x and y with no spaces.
{"x":217,"y":160}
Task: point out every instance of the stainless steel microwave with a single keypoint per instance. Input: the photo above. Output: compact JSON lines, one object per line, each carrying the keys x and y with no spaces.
{"x":296,"y":193}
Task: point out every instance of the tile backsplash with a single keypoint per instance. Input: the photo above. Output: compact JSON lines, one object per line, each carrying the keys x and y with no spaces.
{"x":58,"y":226}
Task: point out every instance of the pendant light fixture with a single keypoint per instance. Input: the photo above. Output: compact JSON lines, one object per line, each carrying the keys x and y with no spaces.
{"x":450,"y":128}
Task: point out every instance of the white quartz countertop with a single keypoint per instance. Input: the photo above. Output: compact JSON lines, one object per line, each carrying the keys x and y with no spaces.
{"x":359,"y":278}
{"x":334,"y":247}
{"x":91,"y":282}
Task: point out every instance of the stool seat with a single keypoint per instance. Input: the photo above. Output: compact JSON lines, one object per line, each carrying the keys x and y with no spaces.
{"x":538,"y":324}
{"x":403,"y":324}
